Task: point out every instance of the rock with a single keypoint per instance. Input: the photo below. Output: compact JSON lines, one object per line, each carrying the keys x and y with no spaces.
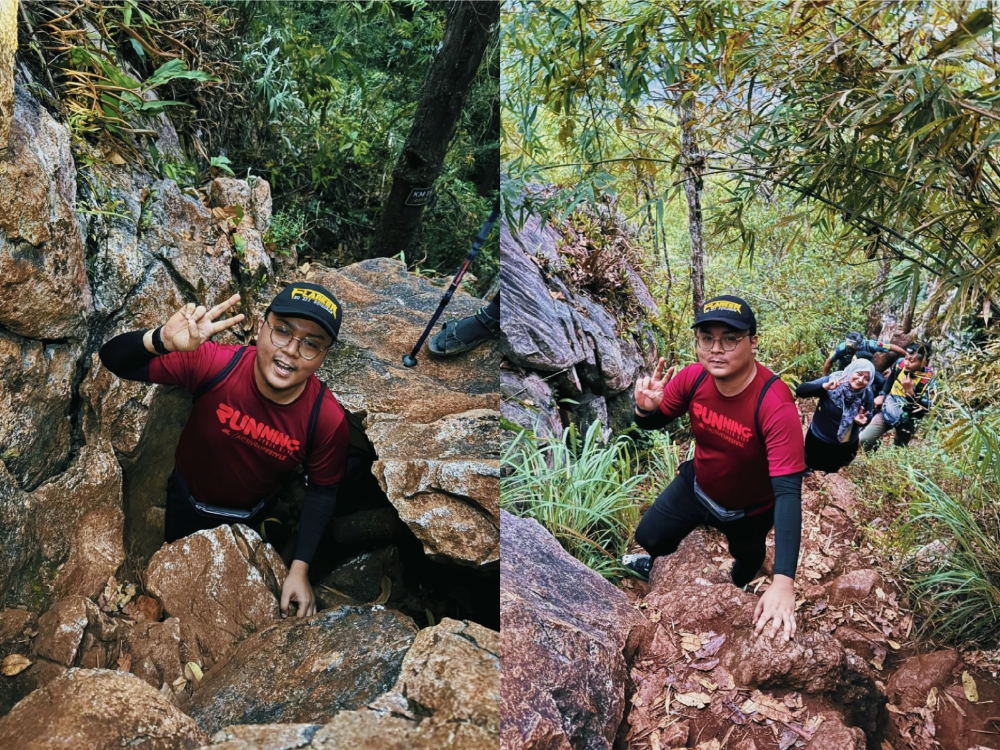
{"x":434,"y":427}
{"x":155,"y":648}
{"x":228,"y":191}
{"x":853,"y":586}
{"x":367,"y":730}
{"x":36,"y":389}
{"x":833,"y":734}
{"x":260,"y":199}
{"x":264,"y":736}
{"x":811,"y":663}
{"x":13,"y":624}
{"x":17,"y":532}
{"x":566,"y":635}
{"x":450,"y":677}
{"x":305,"y":670}
{"x":909,"y":685}
{"x":44,"y":291}
{"x":360,"y":578}
{"x":99,"y":710}
{"x":60,"y":630}
{"x":224,"y":583}
{"x":528,"y":401}
{"x":85,"y":535}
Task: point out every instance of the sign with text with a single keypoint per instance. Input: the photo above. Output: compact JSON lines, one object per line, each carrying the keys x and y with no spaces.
{"x":420,"y":196}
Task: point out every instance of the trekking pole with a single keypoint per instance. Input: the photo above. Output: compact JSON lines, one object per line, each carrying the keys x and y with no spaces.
{"x":410,"y":360}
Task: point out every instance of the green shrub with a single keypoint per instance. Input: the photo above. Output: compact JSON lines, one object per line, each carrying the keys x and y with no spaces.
{"x":583,"y":491}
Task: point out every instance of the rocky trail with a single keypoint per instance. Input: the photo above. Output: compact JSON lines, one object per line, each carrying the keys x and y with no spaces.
{"x":682,"y":652}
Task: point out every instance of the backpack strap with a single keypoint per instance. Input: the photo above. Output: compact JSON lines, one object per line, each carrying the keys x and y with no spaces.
{"x":219,"y":376}
{"x":756,"y":411}
{"x":697,"y":382}
{"x":314,"y":418}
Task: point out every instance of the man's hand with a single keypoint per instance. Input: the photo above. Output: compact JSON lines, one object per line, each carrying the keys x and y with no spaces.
{"x":649,"y":388}
{"x":879,"y":399}
{"x":862,"y":417}
{"x":193,"y":325}
{"x":777,"y":605}
{"x":298,"y":590}
{"x":907,"y":382}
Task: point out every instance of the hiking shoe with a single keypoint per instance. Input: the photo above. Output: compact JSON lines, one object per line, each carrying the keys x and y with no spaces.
{"x":461,"y":335}
{"x":640,"y":565}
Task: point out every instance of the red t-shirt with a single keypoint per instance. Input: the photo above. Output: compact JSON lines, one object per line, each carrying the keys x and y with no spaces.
{"x":238,"y":446}
{"x":730,"y":461}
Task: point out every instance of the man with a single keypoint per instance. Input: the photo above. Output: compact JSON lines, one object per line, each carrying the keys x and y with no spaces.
{"x":464,"y":334}
{"x":845,"y":351}
{"x":748,"y":461}
{"x":906,"y":398}
{"x":259,"y":411}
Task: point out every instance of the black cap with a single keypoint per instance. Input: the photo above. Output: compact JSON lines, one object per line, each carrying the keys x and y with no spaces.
{"x":854,"y":339}
{"x":726,"y":309}
{"x":312,"y":301}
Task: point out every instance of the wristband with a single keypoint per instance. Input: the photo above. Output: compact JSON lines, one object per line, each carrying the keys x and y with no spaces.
{"x":158,"y":342}
{"x":645,"y":412}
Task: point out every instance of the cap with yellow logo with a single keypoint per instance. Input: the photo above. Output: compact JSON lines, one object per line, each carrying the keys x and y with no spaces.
{"x":726,"y":309}
{"x":312,"y":301}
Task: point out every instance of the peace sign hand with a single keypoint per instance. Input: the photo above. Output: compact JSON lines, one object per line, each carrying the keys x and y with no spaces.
{"x":831,"y":383}
{"x":193,"y":325}
{"x":649,"y":388}
{"x":862,"y":417}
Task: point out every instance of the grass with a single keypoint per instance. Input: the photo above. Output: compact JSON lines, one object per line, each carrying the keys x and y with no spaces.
{"x":940,"y":490}
{"x":583,"y":490}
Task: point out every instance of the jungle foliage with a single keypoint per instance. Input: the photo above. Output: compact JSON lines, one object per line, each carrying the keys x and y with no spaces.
{"x":315,"y":97}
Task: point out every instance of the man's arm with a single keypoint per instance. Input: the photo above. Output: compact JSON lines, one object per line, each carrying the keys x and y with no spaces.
{"x":317,"y":510}
{"x":828,"y":364}
{"x":811,"y":387}
{"x":128,"y":355}
{"x":893,"y":348}
{"x":777,"y":605}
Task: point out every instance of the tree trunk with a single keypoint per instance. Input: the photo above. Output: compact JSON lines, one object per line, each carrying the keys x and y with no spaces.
{"x":466,"y":38}
{"x":8,"y":46}
{"x":911,"y":303}
{"x":873,"y":325}
{"x":694,"y":167}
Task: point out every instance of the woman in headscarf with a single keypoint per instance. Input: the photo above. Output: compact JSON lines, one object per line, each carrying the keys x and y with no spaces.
{"x":846,"y":402}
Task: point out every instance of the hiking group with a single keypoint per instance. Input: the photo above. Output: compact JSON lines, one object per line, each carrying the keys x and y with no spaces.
{"x":750,"y":455}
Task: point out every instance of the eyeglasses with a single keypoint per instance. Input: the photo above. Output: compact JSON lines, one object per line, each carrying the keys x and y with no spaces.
{"x":729,"y":341}
{"x":282,"y":337}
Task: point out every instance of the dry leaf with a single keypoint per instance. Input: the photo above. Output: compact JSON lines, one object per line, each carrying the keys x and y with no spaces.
{"x":690,"y":642}
{"x":125,"y":663}
{"x":193,"y":672}
{"x":894,"y":645}
{"x":711,"y":646}
{"x":655,"y":615}
{"x":117,"y":158}
{"x":693,"y":700}
{"x":707,"y":684}
{"x":179,"y":684}
{"x":386,"y":590}
{"x":932,"y":698}
{"x":710,"y":745}
{"x":704,"y":665}
{"x":14,"y":664}
{"x":771,"y":708}
{"x":969,"y":686}
{"x":654,"y":741}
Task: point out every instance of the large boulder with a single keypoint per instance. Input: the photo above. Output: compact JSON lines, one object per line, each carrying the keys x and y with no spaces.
{"x":98,"y":709}
{"x":44,"y":292}
{"x":305,"y":670}
{"x":585,"y":353}
{"x":17,"y":533}
{"x":435,"y":427}
{"x":566,"y":634}
{"x":222,"y":583}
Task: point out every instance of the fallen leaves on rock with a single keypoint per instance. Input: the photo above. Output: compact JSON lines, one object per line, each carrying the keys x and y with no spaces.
{"x":115,"y":596}
{"x":969,"y":686}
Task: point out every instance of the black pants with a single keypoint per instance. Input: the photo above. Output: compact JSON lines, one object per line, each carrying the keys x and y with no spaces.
{"x":677,"y":512}
{"x":184,"y":519}
{"x":828,"y":457}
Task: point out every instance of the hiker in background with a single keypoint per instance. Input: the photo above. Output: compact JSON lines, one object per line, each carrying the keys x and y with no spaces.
{"x":853,"y":343}
{"x":906,"y":398}
{"x":846,"y":401}
{"x":259,"y":412}
{"x":746,"y":476}
{"x":459,"y":336}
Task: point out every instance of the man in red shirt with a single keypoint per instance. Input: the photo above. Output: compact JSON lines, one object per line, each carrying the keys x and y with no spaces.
{"x":259,"y":412}
{"x":748,"y":461}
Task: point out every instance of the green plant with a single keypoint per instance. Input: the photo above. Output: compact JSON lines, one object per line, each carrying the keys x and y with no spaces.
{"x":287,"y":232}
{"x":222,"y":163}
{"x":582,"y":490}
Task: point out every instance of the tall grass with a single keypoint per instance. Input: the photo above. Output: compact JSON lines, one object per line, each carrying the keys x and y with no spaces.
{"x":942,"y":491}
{"x":583,"y":490}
